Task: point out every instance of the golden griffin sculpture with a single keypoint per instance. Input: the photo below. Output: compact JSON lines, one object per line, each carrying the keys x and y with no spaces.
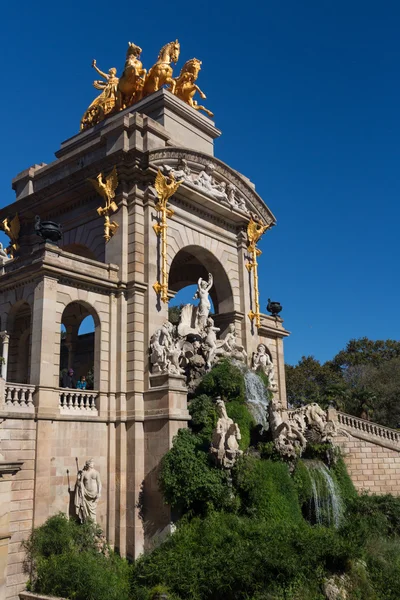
{"x":165,"y":188}
{"x":11,"y":228}
{"x":255,"y":229}
{"x":136,"y":83}
{"x":106,"y":189}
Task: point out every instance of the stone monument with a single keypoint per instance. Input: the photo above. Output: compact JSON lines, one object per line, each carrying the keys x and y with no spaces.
{"x":87,"y":492}
{"x":144,"y":208}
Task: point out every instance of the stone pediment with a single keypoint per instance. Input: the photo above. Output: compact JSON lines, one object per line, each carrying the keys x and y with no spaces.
{"x":213,"y":178}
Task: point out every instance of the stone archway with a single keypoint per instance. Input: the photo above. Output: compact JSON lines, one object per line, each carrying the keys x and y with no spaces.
{"x":193,"y":262}
{"x":19,"y":327}
{"x":80,"y":352}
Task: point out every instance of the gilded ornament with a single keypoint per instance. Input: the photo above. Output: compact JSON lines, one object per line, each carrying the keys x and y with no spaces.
{"x":161,"y":73}
{"x":130,"y":86}
{"x":106,"y":189}
{"x":185,"y":86}
{"x":165,"y":188}
{"x":12,"y":229}
{"x":105,"y":104}
{"x":255,"y":229}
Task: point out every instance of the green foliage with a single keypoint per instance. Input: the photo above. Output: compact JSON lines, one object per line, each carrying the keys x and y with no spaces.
{"x":174,"y":314}
{"x":370,"y":516}
{"x":188,"y":480}
{"x":235,"y":558}
{"x":241,"y":415}
{"x":342,"y":478}
{"x":309,"y":381}
{"x":204,"y":415}
{"x":223,"y":380}
{"x":266,"y":490}
{"x":383,"y":567}
{"x":63,"y":559}
{"x":364,"y":351}
{"x":302,"y":482}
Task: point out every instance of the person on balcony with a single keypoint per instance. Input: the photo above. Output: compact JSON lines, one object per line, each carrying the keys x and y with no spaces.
{"x":68,"y":380}
{"x":82,"y":383}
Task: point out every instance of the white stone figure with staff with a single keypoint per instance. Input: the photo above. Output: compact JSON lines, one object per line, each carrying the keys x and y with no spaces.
{"x":87,"y":492}
{"x":203,"y":309}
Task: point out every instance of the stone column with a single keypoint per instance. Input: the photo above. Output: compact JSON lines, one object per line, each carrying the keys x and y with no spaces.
{"x":7,"y":470}
{"x":45,"y":337}
{"x":6,"y":342}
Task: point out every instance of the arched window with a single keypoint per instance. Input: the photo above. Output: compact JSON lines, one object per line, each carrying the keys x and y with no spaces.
{"x":19,"y":327}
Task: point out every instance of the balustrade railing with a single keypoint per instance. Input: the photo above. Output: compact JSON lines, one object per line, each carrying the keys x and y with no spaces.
{"x":19,"y":396}
{"x":368,"y":427}
{"x":78,"y":400}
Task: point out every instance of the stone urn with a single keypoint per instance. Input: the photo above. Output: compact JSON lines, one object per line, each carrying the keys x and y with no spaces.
{"x":49,"y":231}
{"x":274,"y":307}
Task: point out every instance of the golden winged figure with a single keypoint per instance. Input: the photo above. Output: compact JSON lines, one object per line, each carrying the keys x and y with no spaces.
{"x":164,"y":189}
{"x":255,"y":230}
{"x":12,"y":229}
{"x":106,"y":190}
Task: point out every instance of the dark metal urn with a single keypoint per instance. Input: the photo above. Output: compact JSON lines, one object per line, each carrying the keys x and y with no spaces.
{"x":49,"y":231}
{"x":274,"y":307}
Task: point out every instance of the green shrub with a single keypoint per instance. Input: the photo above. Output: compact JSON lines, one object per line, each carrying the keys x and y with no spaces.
{"x":188,"y":480}
{"x":383,"y":567}
{"x":372,"y":516}
{"x":302,"y":481}
{"x":83,"y":576}
{"x":204,"y":416}
{"x":266,"y":490}
{"x":63,"y":559}
{"x":237,"y":558}
{"x":343,"y":480}
{"x":241,"y":415}
{"x":223,"y":380}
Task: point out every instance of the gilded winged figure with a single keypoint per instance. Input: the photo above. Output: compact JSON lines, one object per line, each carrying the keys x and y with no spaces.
{"x":12,"y":229}
{"x":106,"y":190}
{"x":255,"y":230}
{"x":164,"y":189}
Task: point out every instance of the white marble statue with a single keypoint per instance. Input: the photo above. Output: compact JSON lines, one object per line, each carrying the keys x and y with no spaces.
{"x":235,"y":200}
{"x":3,"y":253}
{"x":287,"y":433}
{"x":181,"y":173}
{"x":263,"y":362}
{"x":165,"y":351}
{"x":210,"y":346}
{"x":206,"y":181}
{"x":87,"y":492}
{"x":203,"y":309}
{"x":225,"y":439}
{"x":229,"y":347}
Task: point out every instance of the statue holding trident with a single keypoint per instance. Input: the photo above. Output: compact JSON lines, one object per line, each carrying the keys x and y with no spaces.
{"x":87,"y":492}
{"x":203,"y":309}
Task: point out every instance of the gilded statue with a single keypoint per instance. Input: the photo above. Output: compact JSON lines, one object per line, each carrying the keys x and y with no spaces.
{"x":12,"y":229}
{"x":185,"y":86}
{"x":165,"y":188}
{"x":161,"y":73}
{"x":104,"y":105}
{"x":255,"y":229}
{"x":106,"y":189}
{"x":130,"y":86}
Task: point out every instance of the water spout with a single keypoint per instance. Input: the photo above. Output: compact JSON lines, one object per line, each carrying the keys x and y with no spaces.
{"x":326,"y":503}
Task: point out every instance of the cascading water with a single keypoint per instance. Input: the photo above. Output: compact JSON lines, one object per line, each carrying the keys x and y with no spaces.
{"x":257,"y":398}
{"x":326,"y":505}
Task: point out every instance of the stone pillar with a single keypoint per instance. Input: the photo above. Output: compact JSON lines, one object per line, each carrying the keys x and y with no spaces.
{"x":165,"y":413}
{"x":6,"y":342}
{"x":7,"y":470}
{"x":45,"y":336}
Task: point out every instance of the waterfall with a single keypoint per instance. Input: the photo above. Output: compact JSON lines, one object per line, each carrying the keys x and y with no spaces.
{"x":326,"y":506}
{"x":257,"y":398}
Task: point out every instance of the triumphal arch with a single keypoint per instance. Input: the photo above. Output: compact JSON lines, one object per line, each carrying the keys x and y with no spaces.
{"x":145,"y":208}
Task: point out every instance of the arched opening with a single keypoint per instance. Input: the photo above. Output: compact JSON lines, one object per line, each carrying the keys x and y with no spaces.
{"x":188,"y":265}
{"x":80,"y":346}
{"x":79,"y":250}
{"x":19,"y":327}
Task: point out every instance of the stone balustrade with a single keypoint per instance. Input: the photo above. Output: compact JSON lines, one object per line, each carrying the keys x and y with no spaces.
{"x":78,"y":400}
{"x":19,"y":396}
{"x":357,"y":427}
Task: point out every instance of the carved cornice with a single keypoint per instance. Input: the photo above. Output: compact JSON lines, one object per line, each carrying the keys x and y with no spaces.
{"x":253,"y":200}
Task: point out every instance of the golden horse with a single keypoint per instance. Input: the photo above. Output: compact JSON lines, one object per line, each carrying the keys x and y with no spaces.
{"x":185,"y":86}
{"x":161,"y":72}
{"x":131,"y":83}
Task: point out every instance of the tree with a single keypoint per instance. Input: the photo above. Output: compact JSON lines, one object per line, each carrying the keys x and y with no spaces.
{"x":366,"y":352}
{"x":309,"y":381}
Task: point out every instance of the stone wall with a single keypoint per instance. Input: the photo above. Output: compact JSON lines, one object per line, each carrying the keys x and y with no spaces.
{"x":371,"y":453}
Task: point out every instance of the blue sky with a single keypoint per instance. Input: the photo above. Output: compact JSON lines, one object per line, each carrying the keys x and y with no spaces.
{"x":307,"y":95}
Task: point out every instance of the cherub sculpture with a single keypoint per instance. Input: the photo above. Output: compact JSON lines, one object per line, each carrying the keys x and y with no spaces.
{"x":103,"y":105}
{"x":185,"y":86}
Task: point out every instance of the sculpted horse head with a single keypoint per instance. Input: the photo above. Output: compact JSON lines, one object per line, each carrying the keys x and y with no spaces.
{"x":131,"y":83}
{"x":161,"y":73}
